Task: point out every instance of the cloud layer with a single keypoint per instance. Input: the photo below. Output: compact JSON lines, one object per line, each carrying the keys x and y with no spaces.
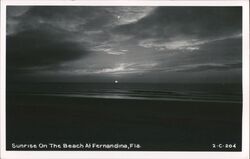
{"x":129,"y":42}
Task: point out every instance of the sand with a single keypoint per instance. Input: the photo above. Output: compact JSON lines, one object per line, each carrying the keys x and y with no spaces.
{"x":155,"y":125}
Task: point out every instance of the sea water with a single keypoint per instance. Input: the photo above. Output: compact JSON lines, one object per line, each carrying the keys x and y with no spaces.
{"x":138,"y":91}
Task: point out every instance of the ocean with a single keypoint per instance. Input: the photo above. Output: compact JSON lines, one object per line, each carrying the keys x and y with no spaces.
{"x":180,"y":92}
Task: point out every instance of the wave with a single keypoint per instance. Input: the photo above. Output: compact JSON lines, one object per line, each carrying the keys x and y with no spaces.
{"x":148,"y":95}
{"x":136,"y":92}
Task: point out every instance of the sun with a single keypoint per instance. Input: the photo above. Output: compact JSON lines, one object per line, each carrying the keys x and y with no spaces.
{"x":116,"y":81}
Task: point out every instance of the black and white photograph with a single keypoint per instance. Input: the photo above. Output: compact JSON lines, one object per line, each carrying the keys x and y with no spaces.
{"x":124,"y":78}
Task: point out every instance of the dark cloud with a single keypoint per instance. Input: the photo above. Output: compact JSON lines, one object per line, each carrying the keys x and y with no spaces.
{"x":71,"y":19}
{"x":37,"y":48}
{"x":221,"y":51}
{"x":41,"y":37}
{"x":211,"y":67}
{"x":193,"y":21}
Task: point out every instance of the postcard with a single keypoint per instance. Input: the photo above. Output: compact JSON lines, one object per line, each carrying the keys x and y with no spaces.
{"x":125,"y":79}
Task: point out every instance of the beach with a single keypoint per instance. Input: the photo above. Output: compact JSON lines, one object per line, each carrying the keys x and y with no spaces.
{"x":154,"y":124}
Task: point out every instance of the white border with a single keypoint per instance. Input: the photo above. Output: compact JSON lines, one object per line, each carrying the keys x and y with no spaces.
{"x":125,"y":154}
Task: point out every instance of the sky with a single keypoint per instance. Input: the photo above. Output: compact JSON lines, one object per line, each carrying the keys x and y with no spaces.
{"x":138,"y":44}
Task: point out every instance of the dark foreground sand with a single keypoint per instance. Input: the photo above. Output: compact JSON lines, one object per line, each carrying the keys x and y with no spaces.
{"x":155,"y":125}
